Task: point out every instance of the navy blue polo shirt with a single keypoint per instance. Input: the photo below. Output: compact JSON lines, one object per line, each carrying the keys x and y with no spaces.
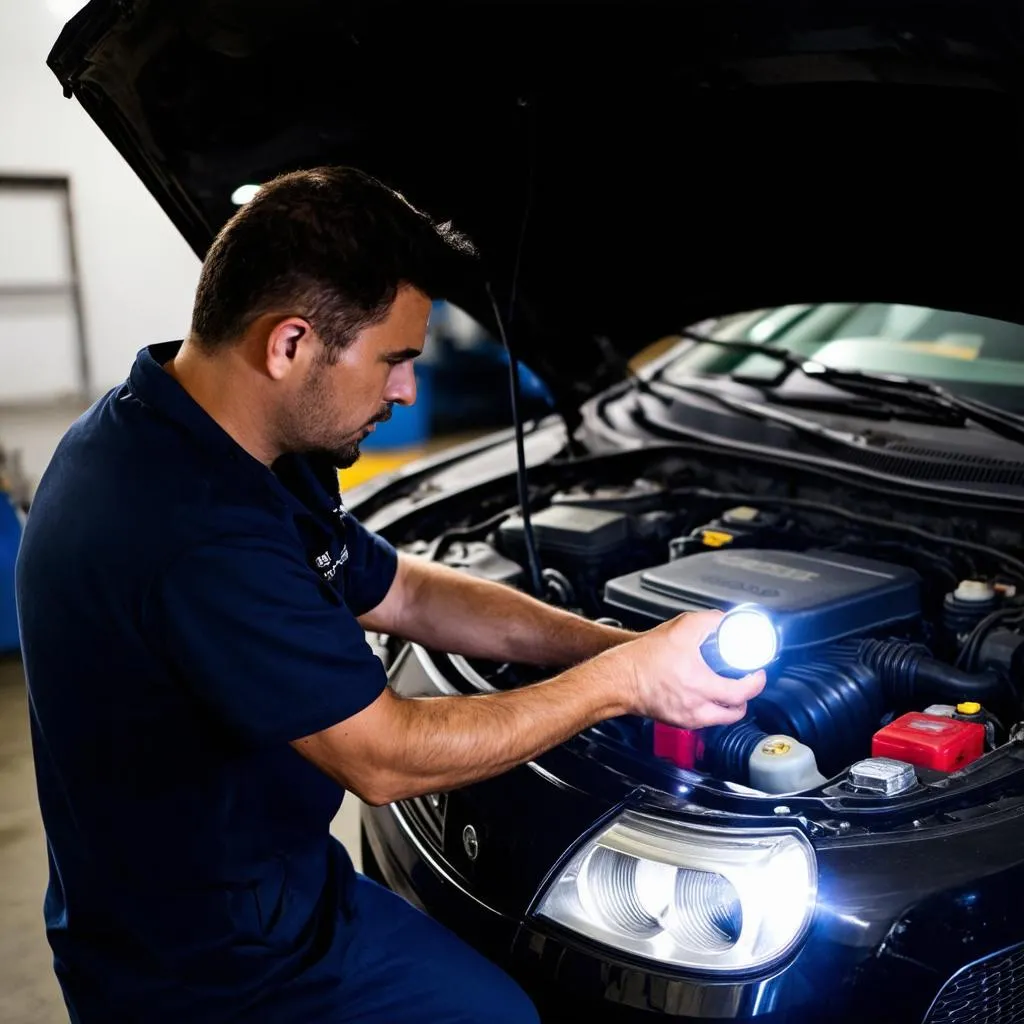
{"x":185,"y":613}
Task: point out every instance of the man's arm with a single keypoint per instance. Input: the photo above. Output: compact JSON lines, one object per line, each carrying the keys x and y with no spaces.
{"x":462,"y":614}
{"x":399,"y":747}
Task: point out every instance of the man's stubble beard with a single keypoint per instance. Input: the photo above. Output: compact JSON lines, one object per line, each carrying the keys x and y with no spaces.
{"x":313,"y":427}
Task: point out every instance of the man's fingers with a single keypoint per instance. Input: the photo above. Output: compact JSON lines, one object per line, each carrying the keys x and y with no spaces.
{"x":732,"y":692}
{"x":716,"y":714}
{"x":702,"y":623}
{"x":750,"y":686}
{"x":729,"y":703}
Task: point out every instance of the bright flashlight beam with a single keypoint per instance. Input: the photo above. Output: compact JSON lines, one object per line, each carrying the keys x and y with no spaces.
{"x":745,"y":641}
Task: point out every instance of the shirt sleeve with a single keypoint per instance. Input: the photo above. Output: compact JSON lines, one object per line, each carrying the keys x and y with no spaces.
{"x":259,"y":639}
{"x":370,"y":569}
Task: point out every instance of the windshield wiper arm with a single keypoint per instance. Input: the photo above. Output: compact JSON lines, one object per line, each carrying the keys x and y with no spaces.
{"x":919,"y":395}
{"x":760,"y":411}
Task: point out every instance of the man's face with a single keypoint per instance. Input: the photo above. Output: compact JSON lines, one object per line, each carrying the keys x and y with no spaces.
{"x":339,"y":403}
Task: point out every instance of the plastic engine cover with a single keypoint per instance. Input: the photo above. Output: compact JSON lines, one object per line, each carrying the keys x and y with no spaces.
{"x":815,"y":597}
{"x":586,"y":533}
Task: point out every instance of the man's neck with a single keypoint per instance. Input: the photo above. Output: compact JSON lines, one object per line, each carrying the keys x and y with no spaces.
{"x":226,"y":387}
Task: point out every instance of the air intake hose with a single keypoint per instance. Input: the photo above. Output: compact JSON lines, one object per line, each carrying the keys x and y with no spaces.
{"x":727,"y":749}
{"x":906,"y":671}
{"x":829,"y":705}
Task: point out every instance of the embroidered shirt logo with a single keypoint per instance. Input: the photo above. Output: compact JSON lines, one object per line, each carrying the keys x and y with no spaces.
{"x":328,"y":569}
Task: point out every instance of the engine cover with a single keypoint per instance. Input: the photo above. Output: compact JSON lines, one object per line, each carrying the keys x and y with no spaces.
{"x":816,"y":597}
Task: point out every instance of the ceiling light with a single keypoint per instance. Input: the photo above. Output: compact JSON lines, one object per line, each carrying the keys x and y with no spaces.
{"x":243,"y":194}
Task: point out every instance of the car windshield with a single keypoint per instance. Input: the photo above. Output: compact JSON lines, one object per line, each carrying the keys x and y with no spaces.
{"x":970,"y":354}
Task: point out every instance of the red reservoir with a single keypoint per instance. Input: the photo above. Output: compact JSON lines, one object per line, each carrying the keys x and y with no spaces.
{"x":928,"y":741}
{"x":680,"y":746}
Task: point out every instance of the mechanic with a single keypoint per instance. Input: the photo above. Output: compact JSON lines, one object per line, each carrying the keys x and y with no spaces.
{"x":192,"y":598}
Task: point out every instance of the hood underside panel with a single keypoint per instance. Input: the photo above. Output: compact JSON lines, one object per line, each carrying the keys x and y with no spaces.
{"x":626,"y":169}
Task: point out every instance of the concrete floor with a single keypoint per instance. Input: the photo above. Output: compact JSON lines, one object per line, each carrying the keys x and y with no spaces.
{"x":28,"y":991}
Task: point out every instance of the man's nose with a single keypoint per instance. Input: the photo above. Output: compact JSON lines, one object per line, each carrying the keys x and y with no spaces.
{"x":401,"y":387}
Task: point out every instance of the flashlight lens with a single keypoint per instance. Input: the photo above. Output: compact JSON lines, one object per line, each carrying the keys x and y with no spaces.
{"x":747,"y":640}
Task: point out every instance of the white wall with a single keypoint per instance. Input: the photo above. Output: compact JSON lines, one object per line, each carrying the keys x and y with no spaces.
{"x":138,"y":275}
{"x":39,"y":347}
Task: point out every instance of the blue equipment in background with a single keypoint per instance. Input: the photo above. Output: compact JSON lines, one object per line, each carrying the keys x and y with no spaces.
{"x":10,"y":537}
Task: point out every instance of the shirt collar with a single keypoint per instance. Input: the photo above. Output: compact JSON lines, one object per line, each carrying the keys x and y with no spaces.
{"x":154,"y":386}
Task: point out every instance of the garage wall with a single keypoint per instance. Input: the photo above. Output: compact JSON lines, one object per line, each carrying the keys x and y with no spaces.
{"x":138,"y":276}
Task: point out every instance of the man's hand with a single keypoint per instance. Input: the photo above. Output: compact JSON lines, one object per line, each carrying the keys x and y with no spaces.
{"x":673,"y":684}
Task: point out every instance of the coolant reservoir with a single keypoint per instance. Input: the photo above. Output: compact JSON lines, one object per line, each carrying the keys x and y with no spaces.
{"x":781,"y":764}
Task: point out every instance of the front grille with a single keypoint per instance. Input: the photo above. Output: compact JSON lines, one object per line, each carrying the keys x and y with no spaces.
{"x":990,"y":991}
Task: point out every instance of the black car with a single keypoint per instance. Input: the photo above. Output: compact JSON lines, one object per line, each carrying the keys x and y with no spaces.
{"x":829,"y":196}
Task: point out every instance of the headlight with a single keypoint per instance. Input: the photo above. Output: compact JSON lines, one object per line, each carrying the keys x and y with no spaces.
{"x":712,"y":899}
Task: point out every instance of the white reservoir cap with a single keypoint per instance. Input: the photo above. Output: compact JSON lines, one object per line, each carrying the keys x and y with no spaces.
{"x":781,"y":764}
{"x":974,"y":590}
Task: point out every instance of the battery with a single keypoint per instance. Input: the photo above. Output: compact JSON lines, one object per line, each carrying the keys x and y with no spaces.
{"x":930,"y":741}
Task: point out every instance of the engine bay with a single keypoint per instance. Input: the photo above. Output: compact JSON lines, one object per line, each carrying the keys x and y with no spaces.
{"x":901,"y":662}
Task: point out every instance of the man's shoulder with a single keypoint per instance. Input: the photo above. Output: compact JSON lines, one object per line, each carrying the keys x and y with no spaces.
{"x":125,"y":479}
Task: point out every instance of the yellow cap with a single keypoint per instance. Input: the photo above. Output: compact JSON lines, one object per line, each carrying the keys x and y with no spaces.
{"x":968,"y":707}
{"x":716,"y":538}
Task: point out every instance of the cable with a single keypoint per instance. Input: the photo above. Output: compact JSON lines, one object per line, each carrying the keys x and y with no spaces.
{"x":474,"y":530}
{"x":869,"y":547}
{"x":1011,"y":616}
{"x":531,"y":173}
{"x":533,"y":562}
{"x":857,"y":517}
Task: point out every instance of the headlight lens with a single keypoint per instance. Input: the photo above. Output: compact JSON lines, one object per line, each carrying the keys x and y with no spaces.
{"x":728,"y":900}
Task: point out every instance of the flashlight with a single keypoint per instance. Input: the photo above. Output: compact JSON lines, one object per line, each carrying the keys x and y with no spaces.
{"x":746,"y":640}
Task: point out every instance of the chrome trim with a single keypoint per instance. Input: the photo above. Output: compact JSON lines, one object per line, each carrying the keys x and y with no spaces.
{"x":432,"y":862}
{"x":474,"y":677}
{"x":553,"y":779}
{"x":471,"y":674}
{"x":433,"y":672}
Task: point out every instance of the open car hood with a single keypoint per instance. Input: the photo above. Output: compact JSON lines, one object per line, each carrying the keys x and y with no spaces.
{"x":624,"y":169}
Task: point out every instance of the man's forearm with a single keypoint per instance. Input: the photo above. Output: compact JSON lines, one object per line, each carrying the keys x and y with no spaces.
{"x":456,"y":612}
{"x":399,"y":748}
{"x":396,"y":748}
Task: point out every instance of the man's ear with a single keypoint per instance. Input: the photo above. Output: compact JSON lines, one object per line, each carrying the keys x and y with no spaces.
{"x":289,"y":347}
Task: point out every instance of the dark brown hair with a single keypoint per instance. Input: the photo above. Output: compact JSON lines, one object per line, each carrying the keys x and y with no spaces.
{"x":332,"y":245}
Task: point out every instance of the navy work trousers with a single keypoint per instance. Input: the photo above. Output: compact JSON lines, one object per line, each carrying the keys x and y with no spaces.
{"x":403,"y":967}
